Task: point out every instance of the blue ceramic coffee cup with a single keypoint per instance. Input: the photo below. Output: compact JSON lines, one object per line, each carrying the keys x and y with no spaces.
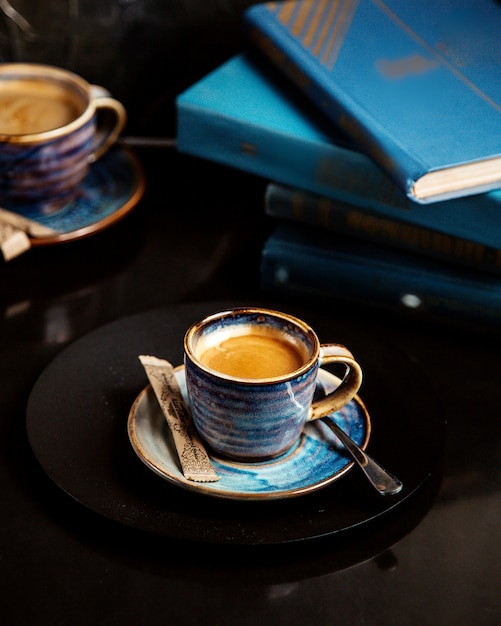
{"x":251,"y":376}
{"x":53,"y":125}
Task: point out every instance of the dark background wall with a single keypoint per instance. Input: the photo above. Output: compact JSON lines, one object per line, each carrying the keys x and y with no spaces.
{"x":143,"y":51}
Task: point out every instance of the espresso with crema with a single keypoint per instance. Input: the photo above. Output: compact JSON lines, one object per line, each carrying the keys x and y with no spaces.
{"x":30,"y":106}
{"x":254,"y":355}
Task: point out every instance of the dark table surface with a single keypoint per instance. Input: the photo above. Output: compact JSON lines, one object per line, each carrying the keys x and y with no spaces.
{"x":191,"y":243}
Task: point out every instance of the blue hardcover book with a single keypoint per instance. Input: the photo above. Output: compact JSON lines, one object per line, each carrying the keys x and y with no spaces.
{"x":466,"y":231}
{"x":304,"y":263}
{"x":247,"y":116}
{"x":414,"y":84}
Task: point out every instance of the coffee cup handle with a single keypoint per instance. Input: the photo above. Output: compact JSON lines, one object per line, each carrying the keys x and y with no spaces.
{"x":109,"y":127}
{"x":350,"y":384}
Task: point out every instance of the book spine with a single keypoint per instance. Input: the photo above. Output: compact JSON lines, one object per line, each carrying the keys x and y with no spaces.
{"x":319,"y":166}
{"x":298,"y":206}
{"x":304,"y":271}
{"x":266,"y":32}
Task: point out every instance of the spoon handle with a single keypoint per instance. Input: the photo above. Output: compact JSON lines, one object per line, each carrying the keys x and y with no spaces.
{"x":380,"y":479}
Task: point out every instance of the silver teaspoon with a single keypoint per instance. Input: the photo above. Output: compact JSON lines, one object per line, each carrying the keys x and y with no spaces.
{"x":380,"y":479}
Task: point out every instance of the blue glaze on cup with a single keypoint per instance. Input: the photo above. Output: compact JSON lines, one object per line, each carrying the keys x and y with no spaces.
{"x":270,"y":416}
{"x":259,"y":419}
{"x":37,"y":179}
{"x":250,"y":419}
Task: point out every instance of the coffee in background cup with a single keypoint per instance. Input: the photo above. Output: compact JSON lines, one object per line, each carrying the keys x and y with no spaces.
{"x":30,"y":106}
{"x":251,"y":375}
{"x":53,"y":125}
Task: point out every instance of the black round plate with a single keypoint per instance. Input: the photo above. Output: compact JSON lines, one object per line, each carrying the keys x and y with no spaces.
{"x":77,"y":427}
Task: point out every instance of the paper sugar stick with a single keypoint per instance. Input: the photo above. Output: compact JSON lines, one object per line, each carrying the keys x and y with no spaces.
{"x":195,"y":462}
{"x":13,"y":241}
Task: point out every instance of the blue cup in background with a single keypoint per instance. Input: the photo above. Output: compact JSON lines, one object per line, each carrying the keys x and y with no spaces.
{"x":53,"y":125}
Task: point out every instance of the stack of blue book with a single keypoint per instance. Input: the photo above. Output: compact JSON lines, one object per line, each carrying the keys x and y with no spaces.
{"x":384,"y":166}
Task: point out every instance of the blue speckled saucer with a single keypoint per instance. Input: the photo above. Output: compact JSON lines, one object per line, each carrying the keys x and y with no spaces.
{"x":112,"y":188}
{"x":317,"y":460}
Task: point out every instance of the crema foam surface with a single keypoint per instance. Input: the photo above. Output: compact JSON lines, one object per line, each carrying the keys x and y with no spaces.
{"x":253,"y":356}
{"x":27,"y":108}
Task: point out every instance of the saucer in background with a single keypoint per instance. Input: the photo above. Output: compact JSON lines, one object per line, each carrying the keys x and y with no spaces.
{"x":111,"y":189}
